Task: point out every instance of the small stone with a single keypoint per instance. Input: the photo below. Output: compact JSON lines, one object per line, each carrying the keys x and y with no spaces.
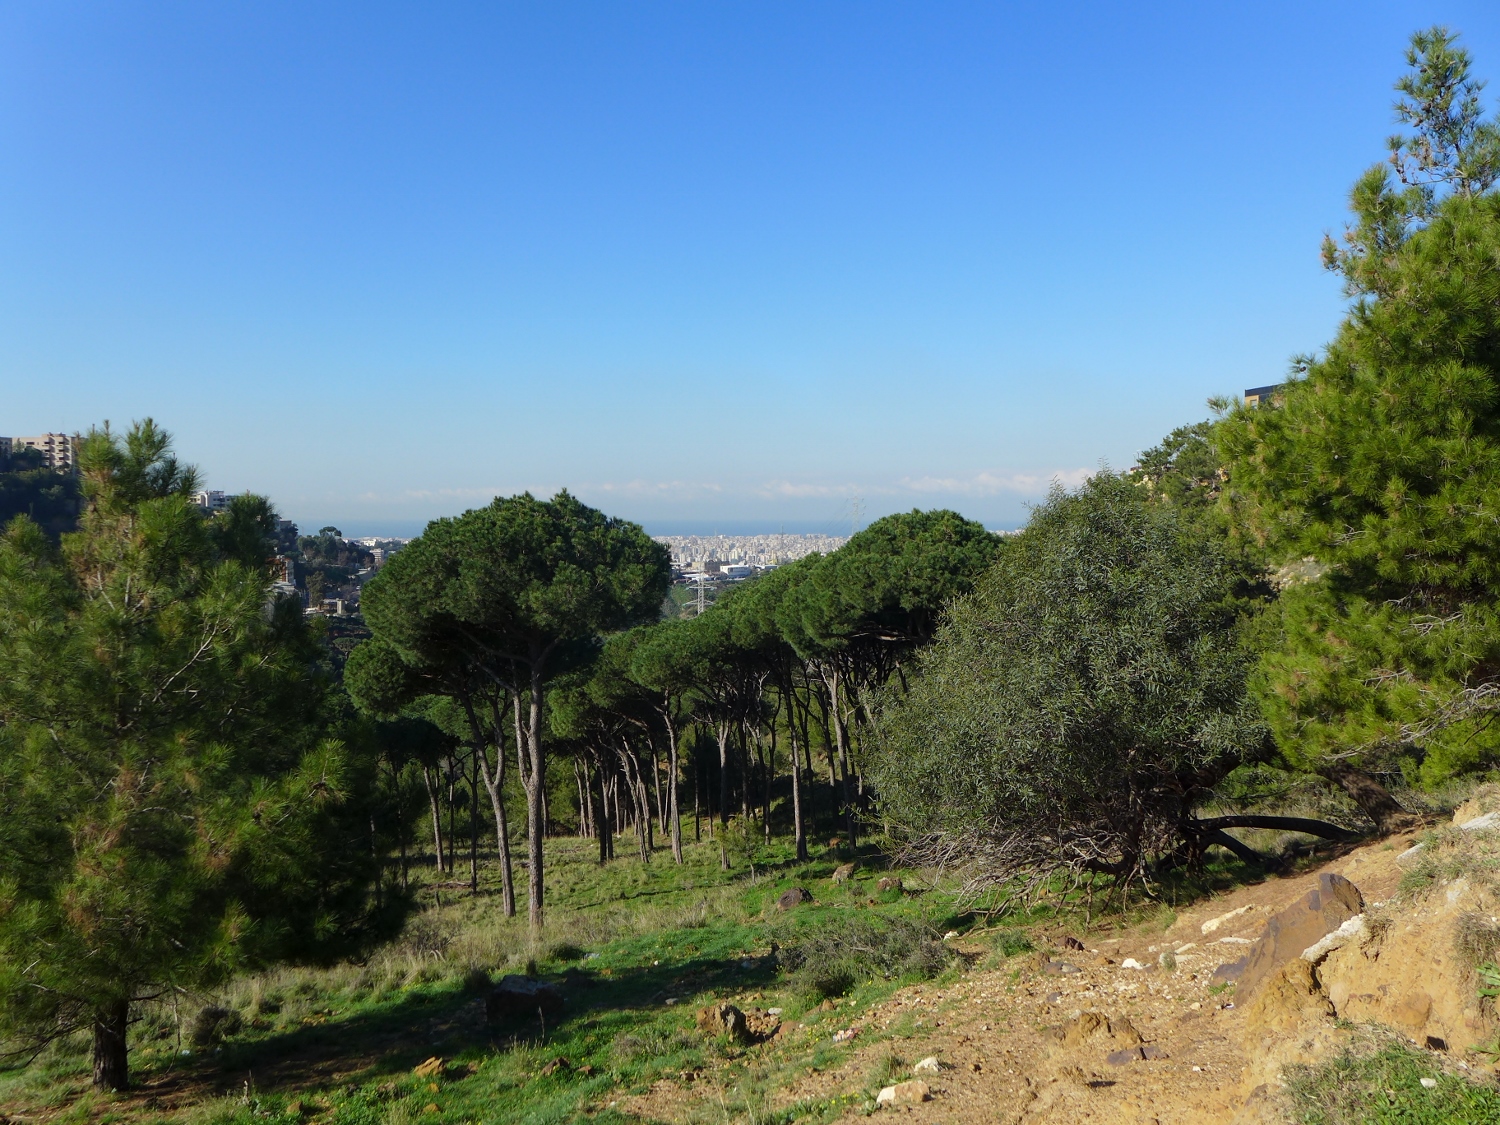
{"x":792,"y":898}
{"x":1131,"y":963}
{"x":723,"y":1019}
{"x":1431,"y":1083}
{"x":845,"y":1035}
{"x":1484,"y":823}
{"x":929,"y":1065}
{"x":555,"y":1065}
{"x":1071,"y":943}
{"x":843,"y":873}
{"x":889,"y":883}
{"x":429,"y":1068}
{"x":904,"y":1093}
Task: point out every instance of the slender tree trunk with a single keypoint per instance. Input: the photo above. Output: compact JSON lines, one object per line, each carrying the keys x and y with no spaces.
{"x":661,"y":808}
{"x":452,"y":811}
{"x":721,"y":730}
{"x":536,"y":806}
{"x":675,"y":818}
{"x":437,"y":817}
{"x":697,"y":787}
{"x":111,"y":1061}
{"x":767,"y":772}
{"x":494,"y":785}
{"x":583,"y":824}
{"x":639,"y":801}
{"x":840,"y":735}
{"x":799,"y":830}
{"x":474,"y":830}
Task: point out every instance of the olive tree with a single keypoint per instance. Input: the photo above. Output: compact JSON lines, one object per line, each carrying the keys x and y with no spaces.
{"x":1080,"y":704}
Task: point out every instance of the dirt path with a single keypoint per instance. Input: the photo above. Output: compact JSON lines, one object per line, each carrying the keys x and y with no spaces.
{"x":1018,"y":1043}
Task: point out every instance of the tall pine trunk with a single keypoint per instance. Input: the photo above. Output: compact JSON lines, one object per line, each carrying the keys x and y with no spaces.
{"x":111,"y":1062}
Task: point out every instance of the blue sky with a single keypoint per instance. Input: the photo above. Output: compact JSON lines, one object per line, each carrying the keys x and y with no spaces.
{"x":704,"y":264}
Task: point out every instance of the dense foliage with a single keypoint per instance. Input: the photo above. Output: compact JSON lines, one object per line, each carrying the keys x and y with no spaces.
{"x":172,"y":808}
{"x":1374,"y":481}
{"x":1082,"y":702}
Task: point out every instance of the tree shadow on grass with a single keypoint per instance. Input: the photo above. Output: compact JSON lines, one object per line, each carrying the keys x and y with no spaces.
{"x":384,"y":1043}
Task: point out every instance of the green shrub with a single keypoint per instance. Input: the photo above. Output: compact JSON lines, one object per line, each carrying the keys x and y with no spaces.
{"x":832,"y":959}
{"x":1008,"y":943}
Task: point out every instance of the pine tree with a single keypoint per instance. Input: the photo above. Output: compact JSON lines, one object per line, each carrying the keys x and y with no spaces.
{"x":165,"y":792}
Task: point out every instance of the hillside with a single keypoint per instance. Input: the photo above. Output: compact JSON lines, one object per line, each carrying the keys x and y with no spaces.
{"x":1134,"y":1026}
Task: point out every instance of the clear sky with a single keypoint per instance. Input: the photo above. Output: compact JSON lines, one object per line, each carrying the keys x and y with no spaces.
{"x":707,"y":265}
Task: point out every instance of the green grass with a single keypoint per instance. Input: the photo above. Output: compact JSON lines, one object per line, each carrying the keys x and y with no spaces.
{"x":636,"y":948}
{"x":1382,"y":1085}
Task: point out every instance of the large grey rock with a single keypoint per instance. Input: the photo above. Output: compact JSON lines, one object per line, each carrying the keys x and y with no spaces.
{"x":1300,"y":926}
{"x":521,"y":996}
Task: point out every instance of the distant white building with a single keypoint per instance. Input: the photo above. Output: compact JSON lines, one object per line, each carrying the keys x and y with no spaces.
{"x":211,"y":500}
{"x":57,"y":450}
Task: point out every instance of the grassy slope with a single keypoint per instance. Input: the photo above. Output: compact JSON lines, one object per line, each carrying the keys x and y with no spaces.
{"x":341,"y":1043}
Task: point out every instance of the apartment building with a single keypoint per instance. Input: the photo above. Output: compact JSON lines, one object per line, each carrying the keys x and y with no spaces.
{"x":57,"y":450}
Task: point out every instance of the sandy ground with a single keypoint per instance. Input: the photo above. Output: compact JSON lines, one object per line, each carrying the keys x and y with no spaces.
{"x":995,"y":1032}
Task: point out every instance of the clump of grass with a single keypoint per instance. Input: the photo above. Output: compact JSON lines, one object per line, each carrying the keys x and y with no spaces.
{"x":1475,"y":940}
{"x":889,"y":1067}
{"x":1385,"y":1084}
{"x":650,"y":1042}
{"x":1009,"y":943}
{"x":830,"y":960}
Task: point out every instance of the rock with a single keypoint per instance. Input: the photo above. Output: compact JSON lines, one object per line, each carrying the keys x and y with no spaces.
{"x":846,"y":1035}
{"x":1288,"y":997}
{"x":763,"y":1025}
{"x":843,"y":872}
{"x":889,"y":883}
{"x":792,"y":898}
{"x":1057,"y":968}
{"x":429,"y":1069}
{"x":1131,"y":963}
{"x":929,"y":1065}
{"x":1072,"y":943}
{"x":1317,"y":913}
{"x":1214,"y":923}
{"x":555,"y":1065}
{"x":724,"y":1019}
{"x":904,"y":1093}
{"x":1486,"y":823}
{"x":1230,"y":971}
{"x":1325,"y":945}
{"x":1413,"y":1009}
{"x":1145,"y":1053}
{"x":522,"y":997}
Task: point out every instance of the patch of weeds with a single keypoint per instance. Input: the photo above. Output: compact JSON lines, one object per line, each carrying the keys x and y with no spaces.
{"x":1475,"y":940}
{"x":830,"y":960}
{"x":889,"y":1067}
{"x":1385,"y":1085}
{"x":1009,"y":943}
{"x":650,"y":1042}
{"x":212,"y":1025}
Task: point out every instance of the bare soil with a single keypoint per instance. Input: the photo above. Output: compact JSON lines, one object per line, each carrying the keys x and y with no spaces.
{"x":999,"y":1033}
